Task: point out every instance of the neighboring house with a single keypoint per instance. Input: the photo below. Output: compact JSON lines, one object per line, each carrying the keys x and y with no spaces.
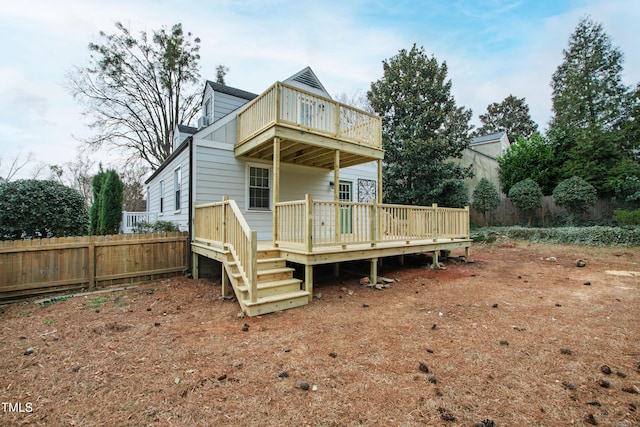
{"x":482,"y":154}
{"x":204,"y":166}
{"x":288,"y":177}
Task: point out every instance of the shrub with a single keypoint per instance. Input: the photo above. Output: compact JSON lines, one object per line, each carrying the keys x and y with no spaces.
{"x":627,"y":193}
{"x":593,"y":236}
{"x":35,"y":209}
{"x":156,"y":227}
{"x":527,"y":196}
{"x":624,"y":217}
{"x":575,"y":195}
{"x":485,"y":197}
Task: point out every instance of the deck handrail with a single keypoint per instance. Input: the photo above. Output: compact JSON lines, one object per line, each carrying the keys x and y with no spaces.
{"x":313,"y":223}
{"x":223,"y":223}
{"x":291,"y":106}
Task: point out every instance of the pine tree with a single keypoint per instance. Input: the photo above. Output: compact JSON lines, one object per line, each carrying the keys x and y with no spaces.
{"x":590,"y":105}
{"x":422,"y":131}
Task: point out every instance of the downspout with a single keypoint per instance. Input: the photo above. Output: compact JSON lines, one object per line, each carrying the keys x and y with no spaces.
{"x":191,"y":208}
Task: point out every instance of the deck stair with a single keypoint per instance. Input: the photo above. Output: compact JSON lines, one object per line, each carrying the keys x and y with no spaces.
{"x":277,"y":288}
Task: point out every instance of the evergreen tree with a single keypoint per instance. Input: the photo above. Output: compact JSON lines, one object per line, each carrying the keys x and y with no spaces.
{"x":527,"y":196}
{"x":575,"y":195}
{"x":422,"y":131}
{"x":111,"y":199}
{"x":94,"y":212}
{"x":511,"y":116}
{"x":485,"y":197}
{"x":590,"y":105}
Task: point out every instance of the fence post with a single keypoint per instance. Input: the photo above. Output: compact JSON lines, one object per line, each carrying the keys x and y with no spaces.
{"x":253,"y":266}
{"x":435,"y":222}
{"x":91,"y":259}
{"x":308,"y":219}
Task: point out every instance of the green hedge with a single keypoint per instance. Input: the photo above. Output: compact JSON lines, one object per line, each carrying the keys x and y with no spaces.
{"x":592,"y":236}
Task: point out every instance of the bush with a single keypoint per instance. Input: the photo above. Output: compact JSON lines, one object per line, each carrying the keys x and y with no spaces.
{"x":527,"y":196}
{"x":106,"y":212}
{"x":627,"y":193}
{"x":156,"y":227}
{"x":592,"y":236}
{"x":485,"y":197}
{"x":575,"y":195}
{"x":36,"y":209}
{"x":624,"y":217}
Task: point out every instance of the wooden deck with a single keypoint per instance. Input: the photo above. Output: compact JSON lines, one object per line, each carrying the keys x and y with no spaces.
{"x":311,"y":233}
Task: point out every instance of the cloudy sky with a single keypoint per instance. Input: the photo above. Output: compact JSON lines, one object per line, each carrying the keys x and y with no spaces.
{"x":493,"y":48}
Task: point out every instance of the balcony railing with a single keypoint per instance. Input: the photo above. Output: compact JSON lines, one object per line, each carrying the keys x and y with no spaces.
{"x":308,"y":223}
{"x":283,"y":104}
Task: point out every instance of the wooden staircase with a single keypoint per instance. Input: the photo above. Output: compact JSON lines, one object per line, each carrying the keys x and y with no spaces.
{"x":277,"y":288}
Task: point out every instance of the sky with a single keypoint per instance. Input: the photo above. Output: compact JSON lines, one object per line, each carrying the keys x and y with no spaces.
{"x":493,"y":49}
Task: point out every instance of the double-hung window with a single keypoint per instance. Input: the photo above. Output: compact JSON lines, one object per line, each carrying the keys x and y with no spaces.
{"x":177,"y":184}
{"x":259,"y":189}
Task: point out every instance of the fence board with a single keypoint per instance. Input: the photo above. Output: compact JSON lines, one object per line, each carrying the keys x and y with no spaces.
{"x":30,"y":267}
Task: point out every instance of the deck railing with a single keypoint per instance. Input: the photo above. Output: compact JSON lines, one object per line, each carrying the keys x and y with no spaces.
{"x":221,"y":224}
{"x":133,"y":220}
{"x":311,"y":223}
{"x":287,"y":105}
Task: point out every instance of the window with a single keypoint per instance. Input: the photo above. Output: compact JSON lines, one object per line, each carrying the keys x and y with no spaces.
{"x":258,"y":188}
{"x":207,"y":108}
{"x":161,"y":196}
{"x":177,"y":184}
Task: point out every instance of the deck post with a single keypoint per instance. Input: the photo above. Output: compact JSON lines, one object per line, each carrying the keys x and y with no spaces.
{"x":336,"y":269}
{"x":253,"y":267}
{"x":466,"y":221}
{"x":276,"y":188}
{"x":195,"y":266}
{"x":374,"y":271}
{"x":379,"y":194}
{"x":401,"y":260}
{"x":435,"y":222}
{"x":435,"y":264}
{"x":308,"y":220}
{"x":225,"y":282}
{"x":336,"y":194}
{"x":225,"y":199}
{"x":308,"y":280}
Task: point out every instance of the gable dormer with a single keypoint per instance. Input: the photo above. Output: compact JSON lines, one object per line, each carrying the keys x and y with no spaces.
{"x":307,"y":80}
{"x":218,"y":100}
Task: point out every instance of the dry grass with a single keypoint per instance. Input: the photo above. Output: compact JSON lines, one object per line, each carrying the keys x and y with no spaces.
{"x":171,"y":353}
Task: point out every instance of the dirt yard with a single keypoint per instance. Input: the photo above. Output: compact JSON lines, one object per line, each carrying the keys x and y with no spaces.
{"x":521,"y":336}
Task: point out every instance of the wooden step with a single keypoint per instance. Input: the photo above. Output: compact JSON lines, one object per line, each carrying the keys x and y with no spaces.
{"x":267,"y":253}
{"x":275,"y":303}
{"x":275,"y":274}
{"x":273,"y":287}
{"x":270,"y":263}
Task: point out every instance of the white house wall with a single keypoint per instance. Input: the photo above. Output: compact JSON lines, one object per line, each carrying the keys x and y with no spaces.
{"x":179,"y":217}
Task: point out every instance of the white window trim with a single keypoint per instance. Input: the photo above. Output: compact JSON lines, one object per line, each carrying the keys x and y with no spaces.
{"x":179,"y":170}
{"x":246,"y":186}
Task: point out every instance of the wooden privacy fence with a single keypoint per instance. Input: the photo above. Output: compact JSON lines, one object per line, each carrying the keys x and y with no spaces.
{"x":30,"y":267}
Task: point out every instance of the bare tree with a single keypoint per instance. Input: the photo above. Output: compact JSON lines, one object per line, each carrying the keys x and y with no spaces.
{"x":135,"y":90}
{"x":16,"y":165}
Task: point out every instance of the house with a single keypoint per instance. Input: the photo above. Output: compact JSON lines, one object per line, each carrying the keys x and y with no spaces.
{"x":482,"y":154}
{"x":287,"y":177}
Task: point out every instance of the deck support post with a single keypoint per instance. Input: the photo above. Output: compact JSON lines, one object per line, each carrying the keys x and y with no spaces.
{"x":401,"y":260}
{"x":435,"y":260}
{"x":379,"y":193}
{"x":336,"y":193}
{"x":225,"y":282}
{"x":308,"y":280}
{"x":276,"y":188}
{"x":195,"y":266}
{"x":467,"y":250}
{"x":374,"y":271}
{"x":308,"y":219}
{"x":336,"y":269}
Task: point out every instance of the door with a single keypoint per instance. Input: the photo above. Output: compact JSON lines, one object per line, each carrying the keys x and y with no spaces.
{"x":345,"y":192}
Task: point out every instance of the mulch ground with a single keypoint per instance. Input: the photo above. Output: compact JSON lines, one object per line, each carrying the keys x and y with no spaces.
{"x":521,"y":336}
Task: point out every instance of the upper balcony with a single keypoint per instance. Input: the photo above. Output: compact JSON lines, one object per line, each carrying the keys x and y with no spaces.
{"x":310,"y":127}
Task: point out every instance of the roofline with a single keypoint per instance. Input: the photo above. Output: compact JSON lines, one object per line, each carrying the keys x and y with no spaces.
{"x":169,"y":159}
